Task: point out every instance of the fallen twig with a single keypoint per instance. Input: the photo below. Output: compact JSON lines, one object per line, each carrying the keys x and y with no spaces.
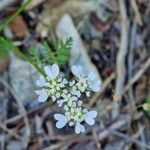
{"x":142,"y":136}
{"x":123,"y":120}
{"x":136,"y":77}
{"x":130,"y":67}
{"x":131,"y":139}
{"x":19,"y":117}
{"x":11,"y":133}
{"x":23,"y":111}
{"x":120,"y":66}
{"x":136,"y":12}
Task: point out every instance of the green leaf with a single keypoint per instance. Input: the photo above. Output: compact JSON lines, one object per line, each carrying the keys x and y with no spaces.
{"x":63,"y":51}
{"x":58,"y":53}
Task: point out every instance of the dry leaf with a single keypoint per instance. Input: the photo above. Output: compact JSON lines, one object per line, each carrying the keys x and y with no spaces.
{"x":19,"y":27}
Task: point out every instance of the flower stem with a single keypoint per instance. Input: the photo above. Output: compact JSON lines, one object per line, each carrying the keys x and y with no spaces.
{"x":12,"y":17}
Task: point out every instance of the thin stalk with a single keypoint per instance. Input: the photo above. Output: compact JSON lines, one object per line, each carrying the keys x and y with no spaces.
{"x":6,"y":22}
{"x":28,"y":59}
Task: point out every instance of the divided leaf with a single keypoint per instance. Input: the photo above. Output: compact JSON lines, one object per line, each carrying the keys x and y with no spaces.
{"x":58,"y":53}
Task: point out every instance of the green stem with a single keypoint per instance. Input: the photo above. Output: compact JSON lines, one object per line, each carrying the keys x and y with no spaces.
{"x":28,"y":59}
{"x":12,"y":17}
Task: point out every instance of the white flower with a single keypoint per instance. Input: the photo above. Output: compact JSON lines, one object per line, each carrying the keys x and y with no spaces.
{"x":67,"y":99}
{"x":74,"y":116}
{"x":84,"y":83}
{"x":42,"y":95}
{"x":89,"y":117}
{"x":75,"y":91}
{"x":52,"y":84}
{"x":55,"y":86}
{"x":61,"y":120}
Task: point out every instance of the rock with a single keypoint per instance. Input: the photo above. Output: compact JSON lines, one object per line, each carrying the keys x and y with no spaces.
{"x":51,"y":16}
{"x":23,"y":77}
{"x":15,"y":145}
{"x":79,"y":55}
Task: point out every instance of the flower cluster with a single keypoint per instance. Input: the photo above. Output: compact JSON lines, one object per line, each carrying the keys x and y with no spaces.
{"x":68,"y":95}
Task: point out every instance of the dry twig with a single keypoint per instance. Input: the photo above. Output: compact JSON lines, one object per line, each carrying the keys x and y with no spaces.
{"x":136,"y":12}
{"x":131,"y":139}
{"x":136,"y":77}
{"x":130,"y":67}
{"x":11,"y":133}
{"x":23,"y":111}
{"x":123,"y":120}
{"x":19,"y":117}
{"x":120,"y":66}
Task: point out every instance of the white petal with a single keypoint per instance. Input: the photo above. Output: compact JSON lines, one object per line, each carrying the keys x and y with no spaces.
{"x":72,"y":83}
{"x":61,"y":85}
{"x":64,"y":81}
{"x":88,"y":93}
{"x":65,"y":91}
{"x":76,"y":70}
{"x":48,"y":72}
{"x":89,"y":117}
{"x":92,"y":114}
{"x":61,"y":120}
{"x":38,"y":92}
{"x":60,"y":79}
{"x":74,"y":104}
{"x":89,"y":120}
{"x":78,"y":94}
{"x":71,"y":123}
{"x":60,"y":103}
{"x":41,"y":82}
{"x":82,"y":128}
{"x":66,"y":108}
{"x":53,"y":98}
{"x":95,"y":86}
{"x":57,"y":95}
{"x":42,"y":95}
{"x":91,"y":76}
{"x":77,"y":128}
{"x":55,"y":70}
{"x":80,"y":103}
